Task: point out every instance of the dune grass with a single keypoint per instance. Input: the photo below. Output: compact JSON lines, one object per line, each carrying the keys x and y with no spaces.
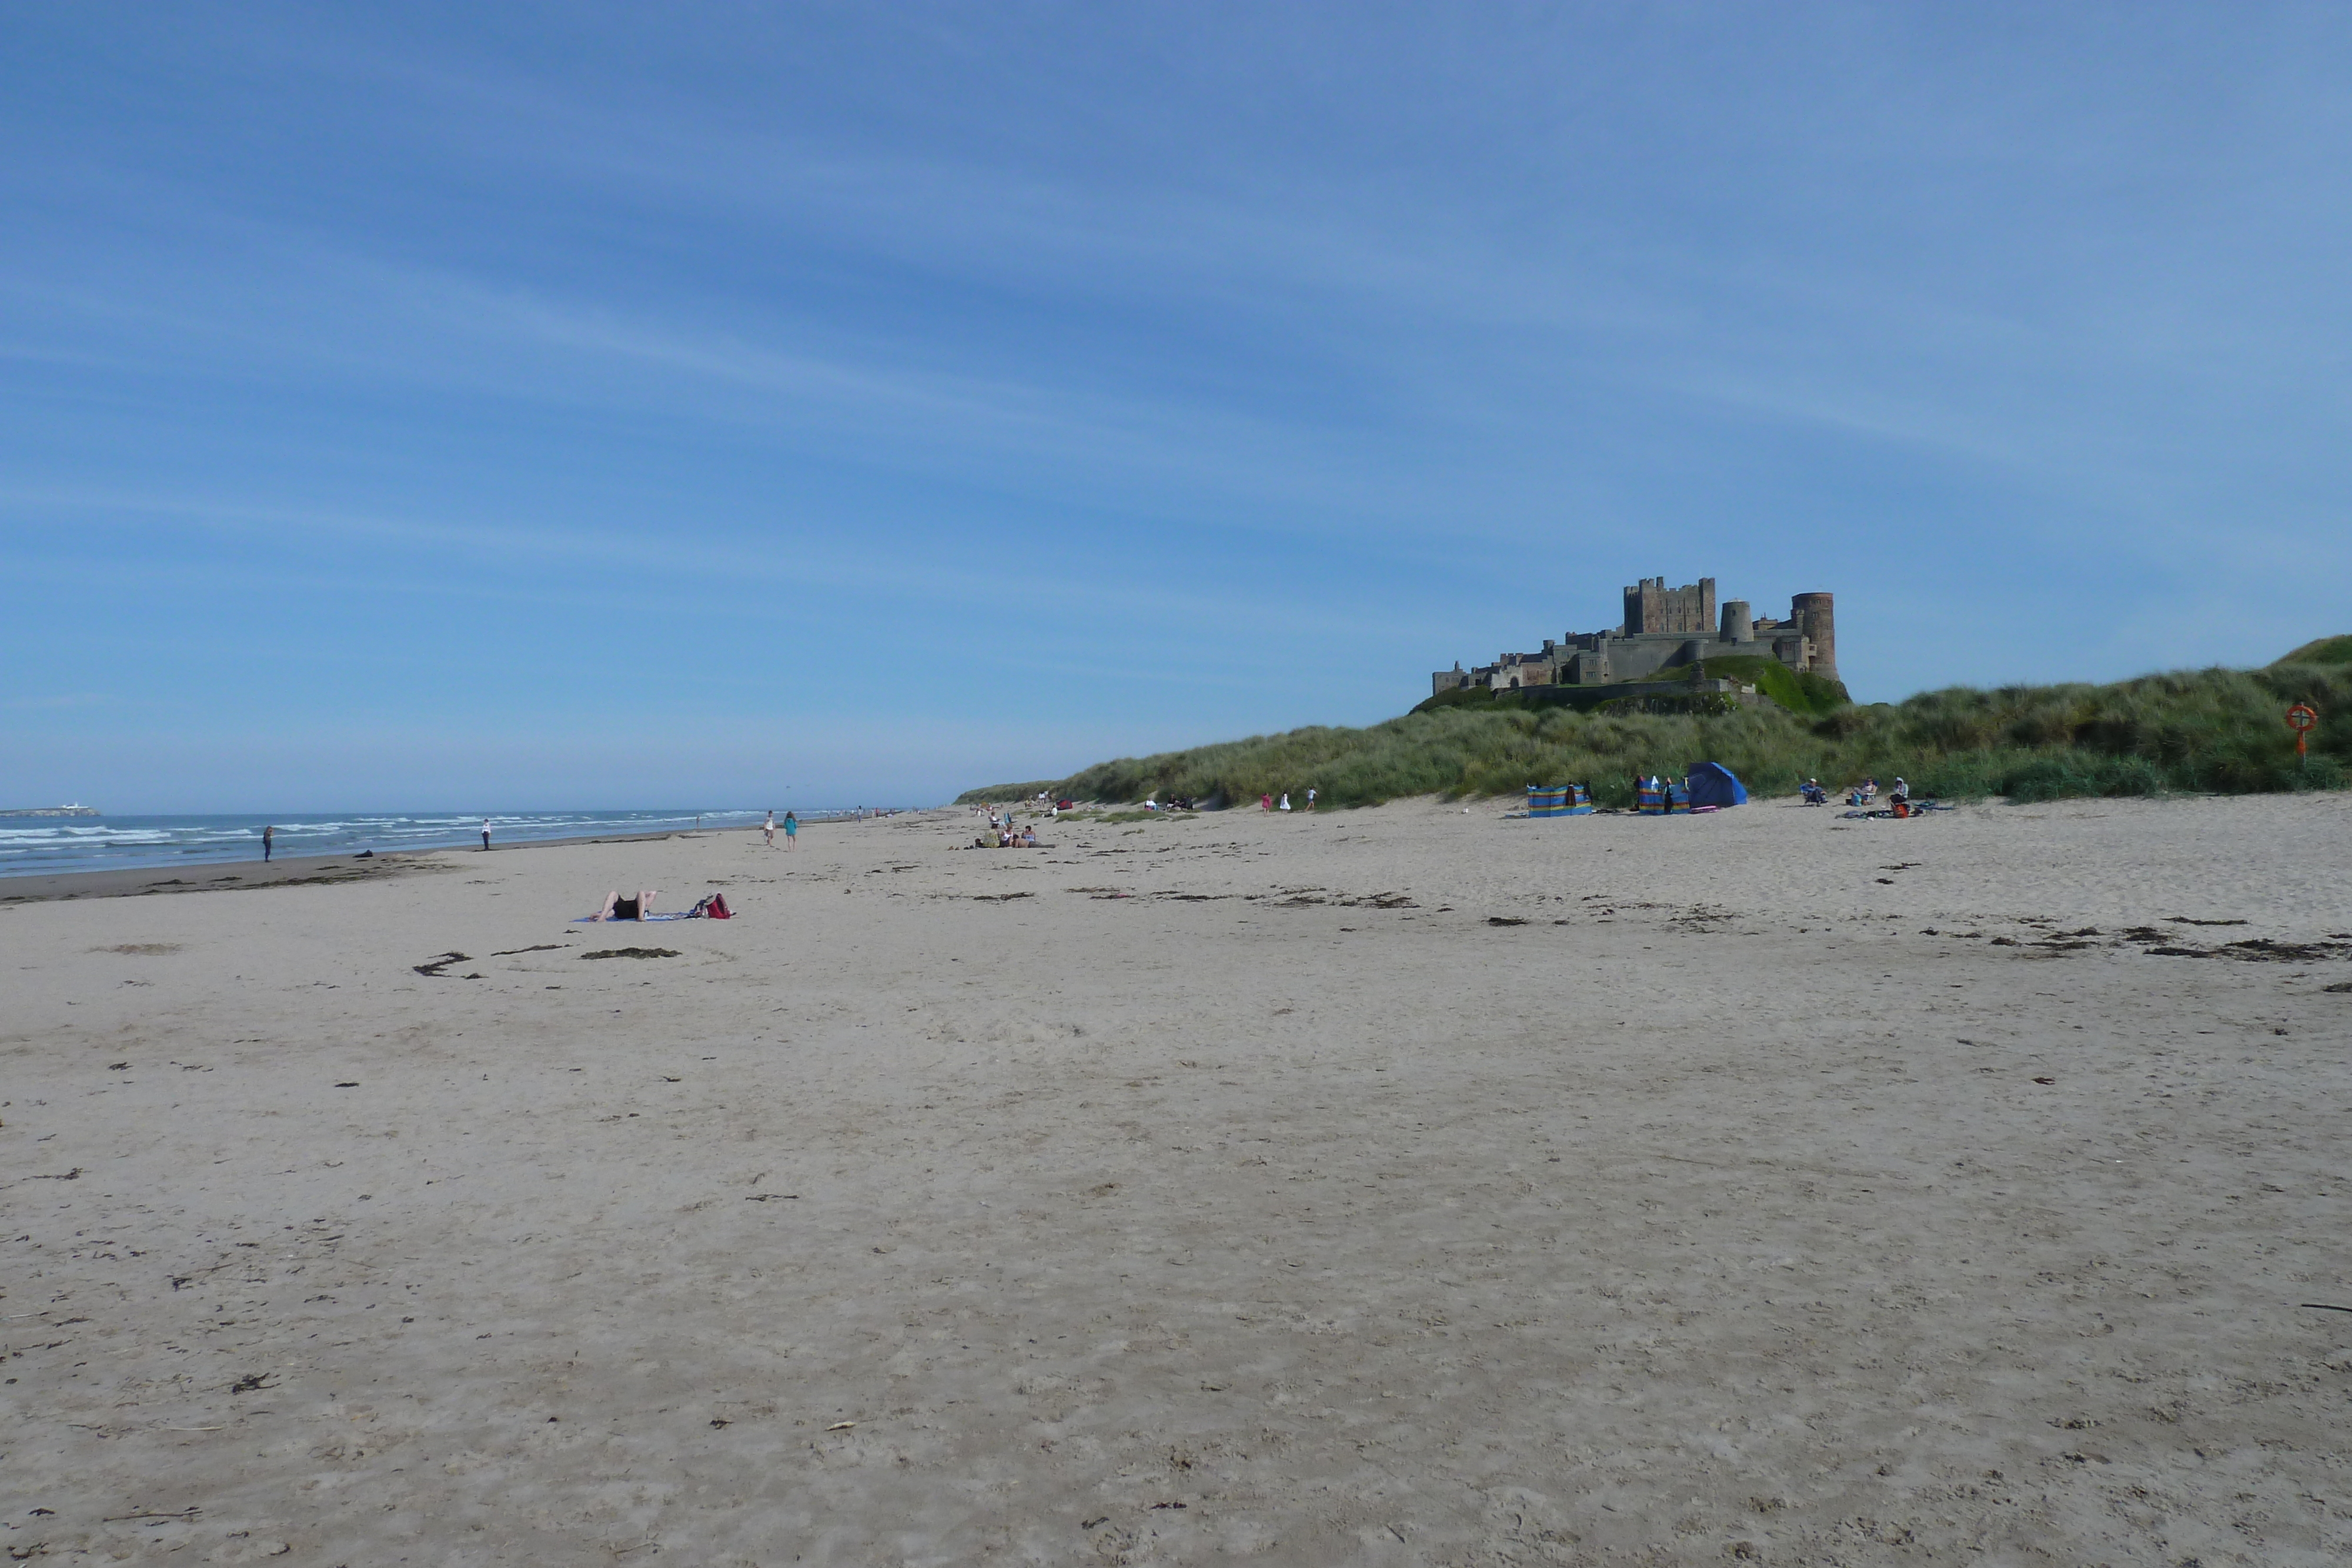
{"x":2211,"y":730}
{"x":999,"y":793}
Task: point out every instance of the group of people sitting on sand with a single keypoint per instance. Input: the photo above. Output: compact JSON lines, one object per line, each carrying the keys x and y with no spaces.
{"x":1003,"y":832}
{"x":1863,"y":797}
{"x":1864,"y":794}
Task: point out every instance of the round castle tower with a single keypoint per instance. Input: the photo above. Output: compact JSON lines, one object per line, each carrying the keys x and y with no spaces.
{"x":1815,"y":616}
{"x":1738,"y":624}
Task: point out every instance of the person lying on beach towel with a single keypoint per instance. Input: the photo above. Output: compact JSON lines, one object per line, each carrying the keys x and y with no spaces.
{"x":637,"y":905}
{"x":640,"y":906}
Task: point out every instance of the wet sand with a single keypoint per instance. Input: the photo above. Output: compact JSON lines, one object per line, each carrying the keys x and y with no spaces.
{"x":1385,"y":1186}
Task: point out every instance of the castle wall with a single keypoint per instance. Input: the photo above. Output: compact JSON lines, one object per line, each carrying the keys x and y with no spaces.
{"x":1637,"y":658}
{"x":1665,"y":627}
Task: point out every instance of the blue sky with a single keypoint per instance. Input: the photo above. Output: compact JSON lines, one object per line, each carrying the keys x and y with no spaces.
{"x":515,"y":406}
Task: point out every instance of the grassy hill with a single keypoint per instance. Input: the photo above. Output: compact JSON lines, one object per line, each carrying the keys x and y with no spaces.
{"x":2326,"y":651}
{"x":2221,"y":730}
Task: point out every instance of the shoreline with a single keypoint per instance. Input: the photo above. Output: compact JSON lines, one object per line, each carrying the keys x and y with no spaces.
{"x":287,"y":870}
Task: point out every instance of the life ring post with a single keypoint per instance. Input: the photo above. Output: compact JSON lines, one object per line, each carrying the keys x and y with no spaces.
{"x":2303,"y":718}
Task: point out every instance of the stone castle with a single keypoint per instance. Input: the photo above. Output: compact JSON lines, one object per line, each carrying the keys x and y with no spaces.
{"x":1665,"y":628}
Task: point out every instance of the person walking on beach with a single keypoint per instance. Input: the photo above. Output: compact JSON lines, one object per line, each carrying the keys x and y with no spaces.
{"x":771,"y":829}
{"x":1310,"y":798}
{"x":485,"y":835}
{"x":791,"y":831}
{"x":1285,"y":801}
{"x":268,"y":836}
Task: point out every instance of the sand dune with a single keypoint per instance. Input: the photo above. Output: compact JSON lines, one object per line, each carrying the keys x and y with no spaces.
{"x":1397,"y":1185}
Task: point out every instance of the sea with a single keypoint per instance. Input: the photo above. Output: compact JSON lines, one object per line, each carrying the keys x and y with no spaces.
{"x":45,"y":844}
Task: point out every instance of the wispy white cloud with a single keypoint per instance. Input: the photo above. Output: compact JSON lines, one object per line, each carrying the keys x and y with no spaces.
{"x":539,"y":563}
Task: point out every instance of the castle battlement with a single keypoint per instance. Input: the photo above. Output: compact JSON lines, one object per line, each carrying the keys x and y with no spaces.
{"x":1664,"y":627}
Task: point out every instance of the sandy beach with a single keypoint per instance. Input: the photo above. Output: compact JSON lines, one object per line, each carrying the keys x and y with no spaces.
{"x":1397,"y":1185}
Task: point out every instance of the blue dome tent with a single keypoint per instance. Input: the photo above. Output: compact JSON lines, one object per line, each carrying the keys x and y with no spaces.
{"x":1713,"y":784}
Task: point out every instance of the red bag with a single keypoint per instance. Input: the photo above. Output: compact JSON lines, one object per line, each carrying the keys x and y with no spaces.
{"x":719,"y":910}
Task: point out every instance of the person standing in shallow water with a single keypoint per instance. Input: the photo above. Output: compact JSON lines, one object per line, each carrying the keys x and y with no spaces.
{"x":268,"y":837}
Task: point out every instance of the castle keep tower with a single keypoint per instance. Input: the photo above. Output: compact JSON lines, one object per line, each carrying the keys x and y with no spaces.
{"x":1814,"y":617}
{"x":1651,"y":606}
